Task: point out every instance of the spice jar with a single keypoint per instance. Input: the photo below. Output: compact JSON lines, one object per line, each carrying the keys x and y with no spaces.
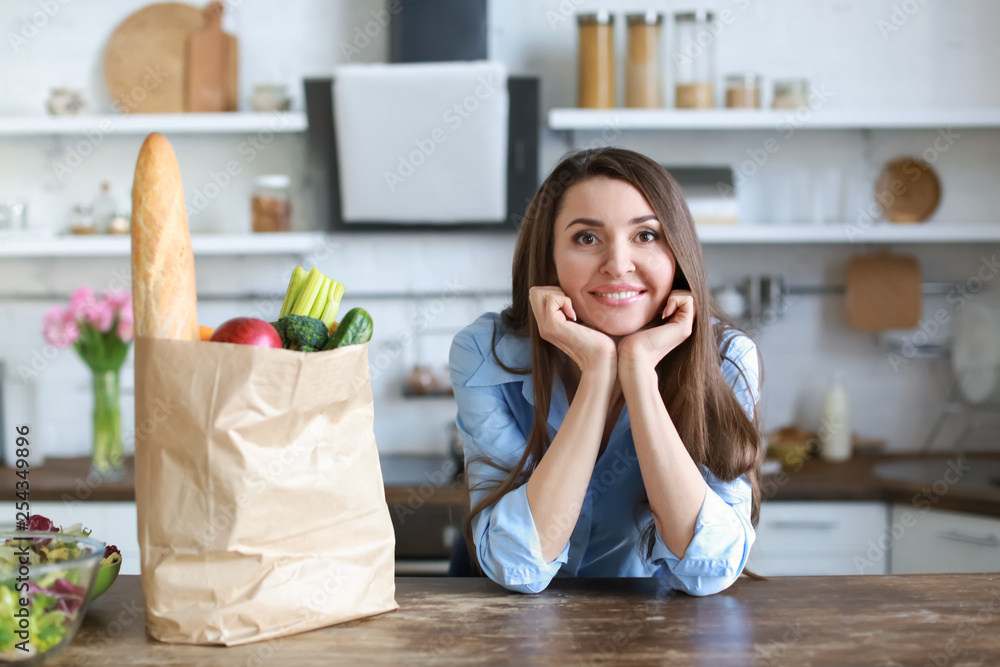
{"x":694,"y":60}
{"x":743,"y":91}
{"x":81,"y":221}
{"x":119,"y":223}
{"x":272,"y":210}
{"x":643,"y":77}
{"x":790,"y":94}
{"x":596,"y":61}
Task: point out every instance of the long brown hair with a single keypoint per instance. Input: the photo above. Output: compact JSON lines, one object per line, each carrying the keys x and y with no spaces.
{"x":709,"y":419}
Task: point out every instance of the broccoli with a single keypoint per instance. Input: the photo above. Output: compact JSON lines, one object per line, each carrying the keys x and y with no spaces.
{"x":301,"y":332}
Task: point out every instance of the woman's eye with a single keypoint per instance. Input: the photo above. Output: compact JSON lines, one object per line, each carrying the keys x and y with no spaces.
{"x":586,"y":238}
{"x":646,"y":236}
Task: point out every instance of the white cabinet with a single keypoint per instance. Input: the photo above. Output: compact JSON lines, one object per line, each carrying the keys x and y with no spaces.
{"x":111,"y":522}
{"x":820,"y":538}
{"x":930,"y":540}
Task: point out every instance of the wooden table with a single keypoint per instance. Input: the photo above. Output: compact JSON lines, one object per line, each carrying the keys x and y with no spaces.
{"x":951,"y":619}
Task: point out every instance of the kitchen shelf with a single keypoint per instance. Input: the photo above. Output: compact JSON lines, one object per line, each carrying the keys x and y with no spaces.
{"x":176,"y":123}
{"x":851,"y":233}
{"x":289,"y":243}
{"x":767,"y":119}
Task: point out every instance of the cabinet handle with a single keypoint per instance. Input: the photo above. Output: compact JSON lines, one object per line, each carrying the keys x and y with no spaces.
{"x":955,"y":536}
{"x":804,"y":525}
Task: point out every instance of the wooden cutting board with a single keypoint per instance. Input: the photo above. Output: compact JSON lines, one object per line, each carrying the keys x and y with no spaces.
{"x":882,"y":292}
{"x":213,"y":66}
{"x":145,"y":62}
{"x":908,"y":190}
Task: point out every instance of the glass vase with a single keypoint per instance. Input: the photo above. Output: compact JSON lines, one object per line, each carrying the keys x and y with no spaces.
{"x":106,"y":463}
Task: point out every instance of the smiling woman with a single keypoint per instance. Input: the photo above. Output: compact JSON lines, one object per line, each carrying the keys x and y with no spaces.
{"x":608,"y":429}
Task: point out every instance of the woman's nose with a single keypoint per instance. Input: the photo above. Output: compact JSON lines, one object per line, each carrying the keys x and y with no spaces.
{"x":618,"y":261}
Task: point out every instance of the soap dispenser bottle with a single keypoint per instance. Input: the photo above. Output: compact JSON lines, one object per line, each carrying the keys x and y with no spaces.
{"x":835,"y":424}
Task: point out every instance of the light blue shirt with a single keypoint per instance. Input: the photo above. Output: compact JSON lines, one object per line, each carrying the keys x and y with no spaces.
{"x":495,"y":416}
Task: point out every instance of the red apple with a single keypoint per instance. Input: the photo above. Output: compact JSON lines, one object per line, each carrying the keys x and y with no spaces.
{"x":247,"y":331}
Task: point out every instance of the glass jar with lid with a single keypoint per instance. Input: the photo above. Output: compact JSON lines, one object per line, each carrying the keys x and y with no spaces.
{"x":596,"y":61}
{"x":791,"y":94}
{"x":643,"y":74}
{"x":694,"y":60}
{"x":743,"y":91}
{"x":81,"y":221}
{"x":272,"y":208}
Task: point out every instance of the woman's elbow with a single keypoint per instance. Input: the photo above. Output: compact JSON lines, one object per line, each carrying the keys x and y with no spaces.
{"x":516,"y":584}
{"x":706,"y":585}
{"x":532,"y":588}
{"x":519,"y":578}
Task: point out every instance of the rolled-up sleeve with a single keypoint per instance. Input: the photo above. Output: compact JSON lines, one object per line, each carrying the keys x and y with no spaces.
{"x":721,"y":544}
{"x":723,"y":533}
{"x":505,"y":536}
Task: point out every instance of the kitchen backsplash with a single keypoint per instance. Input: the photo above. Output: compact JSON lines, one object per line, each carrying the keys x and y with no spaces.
{"x":801,"y":347}
{"x":940,"y":57}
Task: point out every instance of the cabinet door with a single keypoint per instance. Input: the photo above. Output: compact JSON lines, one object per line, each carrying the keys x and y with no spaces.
{"x":110,"y":522}
{"x":820,"y":538}
{"x":941,"y":541}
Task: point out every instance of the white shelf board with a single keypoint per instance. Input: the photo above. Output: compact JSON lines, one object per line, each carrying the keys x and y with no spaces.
{"x":767,"y":119}
{"x":177,"y":123}
{"x":850,"y":233}
{"x":100,"y":245}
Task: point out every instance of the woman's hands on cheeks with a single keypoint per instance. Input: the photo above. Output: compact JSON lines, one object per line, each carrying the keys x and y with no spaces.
{"x":590,"y":349}
{"x":645,"y":348}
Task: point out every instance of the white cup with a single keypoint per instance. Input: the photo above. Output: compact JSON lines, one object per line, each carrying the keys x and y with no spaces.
{"x":827,"y":195}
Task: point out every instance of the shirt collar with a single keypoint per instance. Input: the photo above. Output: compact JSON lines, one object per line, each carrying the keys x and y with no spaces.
{"x":513,"y":351}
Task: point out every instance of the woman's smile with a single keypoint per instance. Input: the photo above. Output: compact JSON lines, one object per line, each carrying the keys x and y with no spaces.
{"x":618,"y":295}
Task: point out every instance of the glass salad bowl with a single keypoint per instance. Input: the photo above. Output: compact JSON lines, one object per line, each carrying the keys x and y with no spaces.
{"x":45,"y":584}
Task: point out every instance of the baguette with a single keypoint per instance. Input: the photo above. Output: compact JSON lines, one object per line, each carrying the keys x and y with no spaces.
{"x":164,"y":299}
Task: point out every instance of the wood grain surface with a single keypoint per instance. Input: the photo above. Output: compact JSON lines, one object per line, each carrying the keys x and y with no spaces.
{"x":882,"y":291}
{"x":213,"y":65}
{"x":145,"y":62}
{"x":808,"y":621}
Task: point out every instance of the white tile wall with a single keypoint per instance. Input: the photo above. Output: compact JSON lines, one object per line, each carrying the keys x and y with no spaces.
{"x":943,"y":55}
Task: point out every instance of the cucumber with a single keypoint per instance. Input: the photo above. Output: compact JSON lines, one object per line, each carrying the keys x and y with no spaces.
{"x":355,"y":328}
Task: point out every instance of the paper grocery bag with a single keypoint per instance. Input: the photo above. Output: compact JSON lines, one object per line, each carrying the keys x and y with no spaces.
{"x":261,"y":506}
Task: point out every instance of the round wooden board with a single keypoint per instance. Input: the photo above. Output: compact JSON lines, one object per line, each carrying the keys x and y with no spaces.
{"x":907,"y":190}
{"x":145,"y":63}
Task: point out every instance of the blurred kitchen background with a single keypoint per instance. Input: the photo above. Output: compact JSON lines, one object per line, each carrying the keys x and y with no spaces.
{"x":786,"y":191}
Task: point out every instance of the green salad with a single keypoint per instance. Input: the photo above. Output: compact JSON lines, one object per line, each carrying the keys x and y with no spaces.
{"x":54,"y":596}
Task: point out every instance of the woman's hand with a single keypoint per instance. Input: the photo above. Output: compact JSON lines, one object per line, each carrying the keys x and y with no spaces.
{"x":589,"y":348}
{"x":646,"y":347}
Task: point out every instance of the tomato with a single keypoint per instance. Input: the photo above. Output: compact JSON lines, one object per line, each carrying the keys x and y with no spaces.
{"x":247,"y":331}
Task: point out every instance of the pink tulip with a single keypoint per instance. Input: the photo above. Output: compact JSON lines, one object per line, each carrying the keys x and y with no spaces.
{"x":58,"y":328}
{"x":125,"y":326}
{"x":79,"y":301}
{"x":119,"y":299}
{"x":98,"y":313}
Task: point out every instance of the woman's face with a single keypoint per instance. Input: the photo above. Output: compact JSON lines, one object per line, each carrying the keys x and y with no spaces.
{"x":611,"y":257}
